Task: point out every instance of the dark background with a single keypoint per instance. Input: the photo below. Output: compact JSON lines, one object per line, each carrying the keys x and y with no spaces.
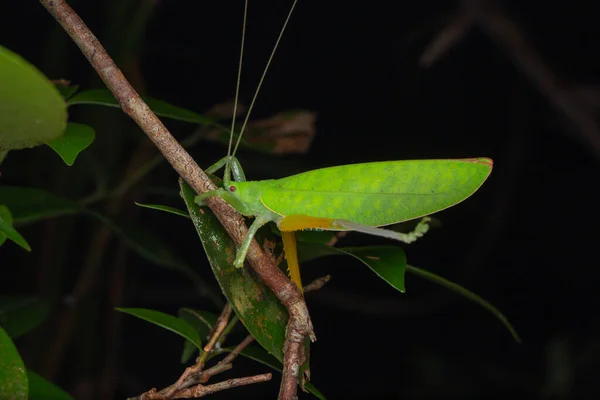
{"x":525,"y":241}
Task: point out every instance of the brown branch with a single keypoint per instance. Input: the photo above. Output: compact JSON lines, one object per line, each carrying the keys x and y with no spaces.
{"x":201,"y":391}
{"x":299,"y":325}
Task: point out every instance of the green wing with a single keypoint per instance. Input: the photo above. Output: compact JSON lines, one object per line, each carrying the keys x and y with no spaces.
{"x":379,"y":193}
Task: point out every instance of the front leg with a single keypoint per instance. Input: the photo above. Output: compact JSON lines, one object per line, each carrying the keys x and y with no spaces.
{"x":243,"y":250}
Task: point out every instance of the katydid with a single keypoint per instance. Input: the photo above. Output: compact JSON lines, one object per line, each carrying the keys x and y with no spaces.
{"x":357,"y":197}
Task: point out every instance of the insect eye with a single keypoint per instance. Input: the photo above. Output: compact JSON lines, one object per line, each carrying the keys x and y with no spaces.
{"x":232,"y":188}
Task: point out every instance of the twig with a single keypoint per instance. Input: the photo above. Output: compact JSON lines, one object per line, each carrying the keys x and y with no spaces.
{"x":215,"y":333}
{"x":238,"y":349}
{"x":299,"y":325}
{"x":190,"y":372}
{"x":200,"y":390}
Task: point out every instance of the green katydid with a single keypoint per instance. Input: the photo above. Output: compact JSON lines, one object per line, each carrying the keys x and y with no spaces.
{"x":358,"y":197}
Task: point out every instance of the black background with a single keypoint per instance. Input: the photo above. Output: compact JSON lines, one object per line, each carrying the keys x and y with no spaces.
{"x":525,"y":241}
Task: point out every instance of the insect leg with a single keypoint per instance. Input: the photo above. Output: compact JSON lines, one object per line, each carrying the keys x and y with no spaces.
{"x":243,"y":250}
{"x":421,"y":228}
{"x":220,"y":192}
{"x":291,"y":255}
{"x":216,"y":166}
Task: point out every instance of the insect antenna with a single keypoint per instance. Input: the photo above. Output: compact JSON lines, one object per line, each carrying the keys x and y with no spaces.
{"x":227,"y":173}
{"x":262,"y":78}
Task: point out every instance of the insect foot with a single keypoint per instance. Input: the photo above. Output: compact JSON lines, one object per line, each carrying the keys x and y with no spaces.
{"x":421,"y":229}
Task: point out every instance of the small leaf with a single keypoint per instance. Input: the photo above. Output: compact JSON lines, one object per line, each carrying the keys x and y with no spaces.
{"x":166,"y":321}
{"x":32,"y":111}
{"x":65,"y":89}
{"x":77,"y":137}
{"x":7,"y":231}
{"x":105,"y":98}
{"x":42,"y":389}
{"x":168,"y":209}
{"x":467,"y":294}
{"x":7,"y":217}
{"x":388,"y":262}
{"x":30,"y":204}
{"x":19,"y":315}
{"x":13,"y":378}
{"x":202,"y":321}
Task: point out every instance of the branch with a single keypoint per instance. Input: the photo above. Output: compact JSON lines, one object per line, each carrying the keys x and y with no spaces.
{"x":299,"y":325}
{"x":201,"y":390}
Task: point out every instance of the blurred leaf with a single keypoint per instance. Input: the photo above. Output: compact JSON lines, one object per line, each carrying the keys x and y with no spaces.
{"x":467,"y":294}
{"x":146,"y":244}
{"x":32,"y":111}
{"x":166,"y":321}
{"x":7,"y":231}
{"x":189,"y":349}
{"x":19,"y":314}
{"x":76,"y":138}
{"x":13,"y":379}
{"x":65,"y":89}
{"x":168,"y":209}
{"x":7,"y":217}
{"x":42,"y":389}
{"x":104,"y":97}
{"x":202,"y":321}
{"x":259,"y":354}
{"x":388,"y":262}
{"x":256,"y":306}
{"x":30,"y":204}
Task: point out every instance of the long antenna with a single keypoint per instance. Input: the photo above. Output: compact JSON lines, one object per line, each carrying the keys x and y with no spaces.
{"x":227,"y":174}
{"x":262,"y":78}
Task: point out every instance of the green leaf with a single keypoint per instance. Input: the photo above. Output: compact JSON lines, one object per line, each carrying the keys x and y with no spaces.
{"x":42,"y":389}
{"x":166,"y":321}
{"x":7,"y":217}
{"x":66,"y":90}
{"x":19,"y":314}
{"x":13,"y":378}
{"x":467,"y":294}
{"x":168,"y":209}
{"x":259,"y":354}
{"x":256,"y":306}
{"x":202,"y":321}
{"x":388,"y":262}
{"x":32,"y":111}
{"x":7,"y":231}
{"x":77,"y":137}
{"x":30,"y":204}
{"x":104,"y":97}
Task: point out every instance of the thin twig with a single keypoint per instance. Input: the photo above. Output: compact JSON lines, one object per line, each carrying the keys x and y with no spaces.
{"x":190,"y":372}
{"x":299,"y":325}
{"x":216,"y":332}
{"x":238,"y":349}
{"x":200,"y":390}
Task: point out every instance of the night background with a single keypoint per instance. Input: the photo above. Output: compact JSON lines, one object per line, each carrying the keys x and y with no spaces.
{"x":518,"y":86}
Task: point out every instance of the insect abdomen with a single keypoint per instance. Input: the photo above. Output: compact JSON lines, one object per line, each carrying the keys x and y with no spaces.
{"x":379,"y":193}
